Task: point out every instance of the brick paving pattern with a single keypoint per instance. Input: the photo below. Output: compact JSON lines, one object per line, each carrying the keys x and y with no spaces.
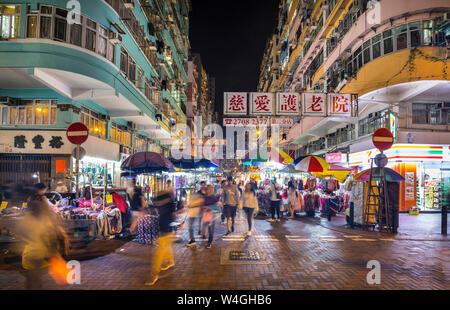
{"x":296,"y":255}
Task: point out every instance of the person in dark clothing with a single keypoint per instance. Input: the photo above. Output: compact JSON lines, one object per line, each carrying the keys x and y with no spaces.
{"x":163,"y":258}
{"x":211,"y":208}
{"x":138,"y":205}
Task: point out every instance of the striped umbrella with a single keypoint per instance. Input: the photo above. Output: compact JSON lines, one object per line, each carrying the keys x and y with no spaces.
{"x":312,"y":163}
{"x":391,"y":175}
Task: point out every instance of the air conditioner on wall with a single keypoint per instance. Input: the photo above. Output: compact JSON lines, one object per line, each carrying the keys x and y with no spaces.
{"x":325,"y":4}
{"x":115,"y":38}
{"x":313,"y":25}
{"x":355,"y":7}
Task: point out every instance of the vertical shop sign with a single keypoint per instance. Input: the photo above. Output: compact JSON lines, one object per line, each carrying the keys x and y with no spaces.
{"x":235,"y":103}
{"x":314,"y":104}
{"x":287,"y":104}
{"x":339,"y":104}
{"x":409,"y":186}
{"x":261,"y":103}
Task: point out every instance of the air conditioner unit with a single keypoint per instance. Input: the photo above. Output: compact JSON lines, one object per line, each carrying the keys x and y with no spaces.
{"x":325,"y":4}
{"x":115,"y":38}
{"x":313,"y":25}
{"x":129,"y":4}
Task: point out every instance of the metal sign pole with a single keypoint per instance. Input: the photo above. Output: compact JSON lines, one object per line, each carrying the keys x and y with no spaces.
{"x":77,"y":171}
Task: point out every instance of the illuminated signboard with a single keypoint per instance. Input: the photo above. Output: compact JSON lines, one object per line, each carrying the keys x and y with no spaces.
{"x":393,"y":120}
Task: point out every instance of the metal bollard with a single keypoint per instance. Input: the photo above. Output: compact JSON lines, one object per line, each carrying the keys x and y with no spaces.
{"x":352,"y":215}
{"x":444,"y":220}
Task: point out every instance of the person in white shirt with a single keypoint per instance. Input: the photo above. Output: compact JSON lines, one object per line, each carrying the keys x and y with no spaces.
{"x":275,"y":199}
{"x":249,"y":205}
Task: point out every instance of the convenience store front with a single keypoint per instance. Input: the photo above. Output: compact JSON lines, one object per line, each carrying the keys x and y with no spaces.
{"x":425,"y":167}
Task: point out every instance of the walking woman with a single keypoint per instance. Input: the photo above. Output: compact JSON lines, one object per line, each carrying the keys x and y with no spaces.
{"x":293,"y":199}
{"x":44,"y":239}
{"x":250,"y":205}
{"x":275,"y":200}
{"x":138,"y":205}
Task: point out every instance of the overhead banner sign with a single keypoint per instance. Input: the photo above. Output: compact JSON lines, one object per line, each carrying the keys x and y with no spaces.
{"x":314,"y":104}
{"x":235,"y":104}
{"x":339,"y":104}
{"x":261,"y":104}
{"x":283,"y":122}
{"x":288,"y":104}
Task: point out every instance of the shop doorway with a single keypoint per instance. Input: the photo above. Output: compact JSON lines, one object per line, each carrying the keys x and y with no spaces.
{"x":23,"y":168}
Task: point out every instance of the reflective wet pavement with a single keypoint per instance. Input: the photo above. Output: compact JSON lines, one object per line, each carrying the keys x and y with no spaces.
{"x":294,"y":254}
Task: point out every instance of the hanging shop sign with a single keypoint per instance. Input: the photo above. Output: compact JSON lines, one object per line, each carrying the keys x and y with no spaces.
{"x":404,"y":153}
{"x":283,"y":122}
{"x":339,"y":104}
{"x":287,"y":104}
{"x":314,"y":104}
{"x":235,"y":104}
{"x":34,"y":142}
{"x":261,"y":103}
{"x":393,"y":121}
{"x":336,"y":157}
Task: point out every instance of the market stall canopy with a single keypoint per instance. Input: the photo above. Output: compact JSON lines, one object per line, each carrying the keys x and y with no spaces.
{"x":193,"y":163}
{"x":146,"y":162}
{"x":290,"y":169}
{"x":338,"y":172}
{"x":277,"y":156}
{"x":391,"y":175}
{"x":311,"y":163}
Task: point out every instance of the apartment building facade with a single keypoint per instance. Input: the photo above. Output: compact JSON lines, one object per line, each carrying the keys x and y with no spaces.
{"x":112,"y":66}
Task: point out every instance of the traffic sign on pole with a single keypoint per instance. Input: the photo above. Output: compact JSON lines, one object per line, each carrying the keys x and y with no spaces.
{"x":382,"y":139}
{"x":77,"y":133}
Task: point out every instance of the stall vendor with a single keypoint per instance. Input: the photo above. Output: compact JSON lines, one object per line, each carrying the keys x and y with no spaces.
{"x":38,"y":194}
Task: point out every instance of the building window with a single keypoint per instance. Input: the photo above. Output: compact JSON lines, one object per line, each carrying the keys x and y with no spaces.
{"x":9,"y":21}
{"x":428,"y":32}
{"x":102,"y":41}
{"x":60,"y":32}
{"x":111,"y":52}
{"x":426,"y":113}
{"x":32,"y":26}
{"x":376,"y":46}
{"x":120,"y":134}
{"x":30,"y":112}
{"x":91,"y":27}
{"x":76,"y":33}
{"x":388,"y":41}
{"x":401,"y":37}
{"x":414,"y":33}
{"x":124,"y":61}
{"x":96,"y":122}
{"x":366,"y":51}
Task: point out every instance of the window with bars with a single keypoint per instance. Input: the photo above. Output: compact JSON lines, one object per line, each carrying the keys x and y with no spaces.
{"x":51,"y":23}
{"x":30,"y":112}
{"x":96,"y":122}
{"x":120,"y":134}
{"x":9,"y":21}
{"x":140,"y":143}
{"x":425,"y":113}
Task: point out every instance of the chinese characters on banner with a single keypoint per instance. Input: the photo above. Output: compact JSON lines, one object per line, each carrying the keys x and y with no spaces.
{"x":314,"y":104}
{"x":339,"y":104}
{"x":288,"y":104}
{"x":235,"y":103}
{"x":261,"y":103}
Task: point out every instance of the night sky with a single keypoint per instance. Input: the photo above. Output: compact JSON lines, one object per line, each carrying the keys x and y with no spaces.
{"x":231,"y":36}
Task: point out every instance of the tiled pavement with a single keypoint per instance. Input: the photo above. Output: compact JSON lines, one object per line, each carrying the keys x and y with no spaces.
{"x":295,"y":255}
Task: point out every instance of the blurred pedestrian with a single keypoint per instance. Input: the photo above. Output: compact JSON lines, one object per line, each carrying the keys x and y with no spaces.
{"x":220,"y":194}
{"x":249,"y":205}
{"x":163,"y":259}
{"x":38,"y":194}
{"x":138,"y":206}
{"x":195,"y":203}
{"x":293,"y":199}
{"x":45,"y":241}
{"x":211,"y":211}
{"x":231,"y":201}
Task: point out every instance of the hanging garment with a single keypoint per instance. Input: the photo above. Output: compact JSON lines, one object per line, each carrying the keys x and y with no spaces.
{"x":103,"y":225}
{"x":148,"y":229}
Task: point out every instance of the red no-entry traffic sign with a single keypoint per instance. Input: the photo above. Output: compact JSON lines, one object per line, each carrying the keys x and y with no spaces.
{"x":77,"y":133}
{"x":382,"y":139}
